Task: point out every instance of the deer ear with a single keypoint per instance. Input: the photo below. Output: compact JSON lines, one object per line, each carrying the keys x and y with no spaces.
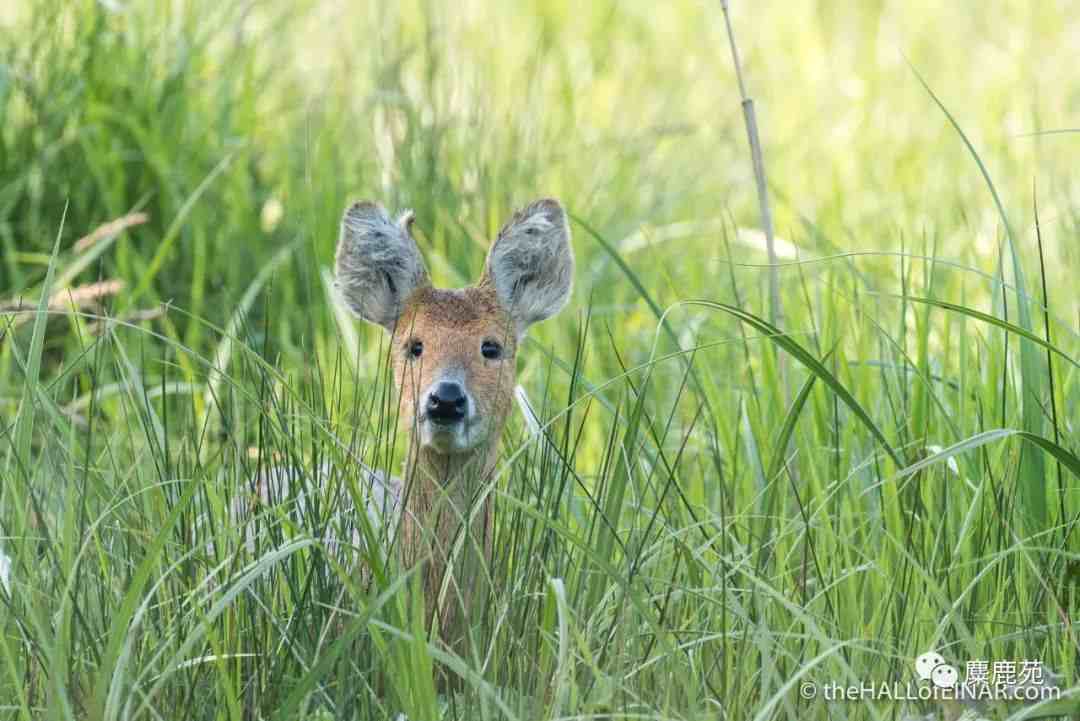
{"x":378,"y":264}
{"x":531,"y":264}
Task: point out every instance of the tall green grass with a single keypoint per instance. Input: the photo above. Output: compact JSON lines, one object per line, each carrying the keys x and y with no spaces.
{"x":714,"y":510}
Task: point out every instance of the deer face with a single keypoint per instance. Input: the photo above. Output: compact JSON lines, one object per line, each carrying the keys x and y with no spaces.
{"x":454,"y":350}
{"x":454,"y":365}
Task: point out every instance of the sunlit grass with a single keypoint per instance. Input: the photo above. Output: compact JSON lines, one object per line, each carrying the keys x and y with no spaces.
{"x":714,"y":511}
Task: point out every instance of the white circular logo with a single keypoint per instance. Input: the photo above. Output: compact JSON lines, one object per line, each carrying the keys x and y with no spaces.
{"x":944,"y":676}
{"x":925,"y":664}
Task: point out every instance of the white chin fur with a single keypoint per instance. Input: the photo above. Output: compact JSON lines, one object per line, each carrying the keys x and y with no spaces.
{"x":456,"y":438}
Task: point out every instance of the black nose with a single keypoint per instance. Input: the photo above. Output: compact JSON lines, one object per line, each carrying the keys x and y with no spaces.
{"x":446,"y":403}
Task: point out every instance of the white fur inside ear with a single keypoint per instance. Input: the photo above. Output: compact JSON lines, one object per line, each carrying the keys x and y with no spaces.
{"x":405,"y":220}
{"x":531,"y":263}
{"x":378,"y":264}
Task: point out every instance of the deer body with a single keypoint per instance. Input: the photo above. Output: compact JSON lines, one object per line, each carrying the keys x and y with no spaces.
{"x":453,"y":354}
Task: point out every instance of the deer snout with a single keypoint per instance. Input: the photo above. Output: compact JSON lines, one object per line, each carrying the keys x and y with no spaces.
{"x":447,"y":403}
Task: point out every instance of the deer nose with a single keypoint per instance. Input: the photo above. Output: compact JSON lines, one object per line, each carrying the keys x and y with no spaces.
{"x":446,"y":403}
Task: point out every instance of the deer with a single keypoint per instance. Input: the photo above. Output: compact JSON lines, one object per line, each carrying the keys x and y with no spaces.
{"x":453,"y":353}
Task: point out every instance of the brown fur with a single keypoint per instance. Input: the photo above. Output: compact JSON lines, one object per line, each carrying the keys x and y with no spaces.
{"x":441,"y":488}
{"x":452,"y":324}
{"x":446,"y":499}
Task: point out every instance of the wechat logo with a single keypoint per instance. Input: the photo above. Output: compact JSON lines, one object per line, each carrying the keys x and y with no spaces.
{"x":931,"y":667}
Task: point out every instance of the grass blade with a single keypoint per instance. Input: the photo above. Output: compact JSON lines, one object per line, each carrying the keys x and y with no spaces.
{"x":1032,"y":471}
{"x":24,"y":423}
{"x":1060,"y":453}
{"x":789,"y":344}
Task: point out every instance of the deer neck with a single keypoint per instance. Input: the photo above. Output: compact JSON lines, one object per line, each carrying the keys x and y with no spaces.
{"x":447,"y":527}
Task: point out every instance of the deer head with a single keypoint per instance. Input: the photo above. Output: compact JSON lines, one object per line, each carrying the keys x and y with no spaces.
{"x":454,"y":350}
{"x":454,"y":353}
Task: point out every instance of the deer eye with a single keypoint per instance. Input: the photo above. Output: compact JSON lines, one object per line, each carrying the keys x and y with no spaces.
{"x":491,"y":350}
{"x":416,"y":348}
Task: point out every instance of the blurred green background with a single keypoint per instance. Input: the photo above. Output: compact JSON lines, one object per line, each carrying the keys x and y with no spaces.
{"x":763,"y":528}
{"x":629,"y":112}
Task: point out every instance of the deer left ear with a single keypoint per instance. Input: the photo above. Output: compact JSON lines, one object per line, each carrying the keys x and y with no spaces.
{"x":531,"y":264}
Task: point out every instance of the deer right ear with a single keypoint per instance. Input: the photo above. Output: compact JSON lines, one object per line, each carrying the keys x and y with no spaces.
{"x":378,"y":264}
